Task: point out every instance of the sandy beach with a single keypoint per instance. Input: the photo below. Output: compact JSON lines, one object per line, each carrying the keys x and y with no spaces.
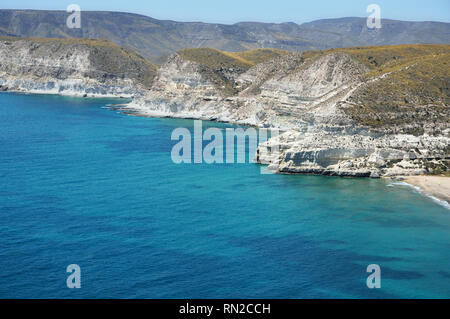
{"x":437,"y":186}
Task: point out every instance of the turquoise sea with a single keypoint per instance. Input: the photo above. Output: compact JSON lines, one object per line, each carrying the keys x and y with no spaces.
{"x":81,"y":184}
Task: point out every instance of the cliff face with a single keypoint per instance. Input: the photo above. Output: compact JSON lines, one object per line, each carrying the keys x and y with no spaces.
{"x":380,"y":111}
{"x":372,"y":111}
{"x":81,"y":67}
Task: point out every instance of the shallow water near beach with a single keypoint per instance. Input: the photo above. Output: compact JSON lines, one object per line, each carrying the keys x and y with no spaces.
{"x":81,"y":184}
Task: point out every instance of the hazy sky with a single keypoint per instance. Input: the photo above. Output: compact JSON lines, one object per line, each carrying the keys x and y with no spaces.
{"x":231,"y":11}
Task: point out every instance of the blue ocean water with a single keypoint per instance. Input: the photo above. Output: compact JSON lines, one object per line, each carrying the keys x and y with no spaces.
{"x":80,"y":184}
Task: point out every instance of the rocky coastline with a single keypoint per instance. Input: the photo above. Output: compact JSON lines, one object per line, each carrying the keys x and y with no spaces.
{"x":306,"y":98}
{"x":329,"y":105}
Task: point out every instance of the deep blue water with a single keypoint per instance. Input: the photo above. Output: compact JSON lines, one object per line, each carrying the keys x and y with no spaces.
{"x":80,"y":184}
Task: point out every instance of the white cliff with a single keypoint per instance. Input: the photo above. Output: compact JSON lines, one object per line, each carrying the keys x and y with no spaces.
{"x":345,"y":112}
{"x":52,"y":67}
{"x":307,"y":98}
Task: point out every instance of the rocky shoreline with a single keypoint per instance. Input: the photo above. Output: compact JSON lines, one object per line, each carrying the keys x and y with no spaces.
{"x":308,"y":104}
{"x":318,"y":100}
{"x":356,"y":155}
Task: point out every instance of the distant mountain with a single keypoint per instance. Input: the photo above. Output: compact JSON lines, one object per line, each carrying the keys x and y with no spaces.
{"x":156,"y":39}
{"x":391,"y":32}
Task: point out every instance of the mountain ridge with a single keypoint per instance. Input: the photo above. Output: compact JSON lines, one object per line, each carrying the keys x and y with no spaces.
{"x":156,"y":39}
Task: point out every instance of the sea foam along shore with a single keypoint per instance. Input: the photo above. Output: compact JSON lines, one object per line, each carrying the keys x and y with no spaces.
{"x":137,"y":109}
{"x":71,"y":93}
{"x":435,"y":187}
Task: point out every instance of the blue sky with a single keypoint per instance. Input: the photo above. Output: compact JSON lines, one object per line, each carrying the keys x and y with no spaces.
{"x":231,"y":11}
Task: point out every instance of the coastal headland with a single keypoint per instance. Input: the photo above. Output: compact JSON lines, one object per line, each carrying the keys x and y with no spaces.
{"x":352,"y":112}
